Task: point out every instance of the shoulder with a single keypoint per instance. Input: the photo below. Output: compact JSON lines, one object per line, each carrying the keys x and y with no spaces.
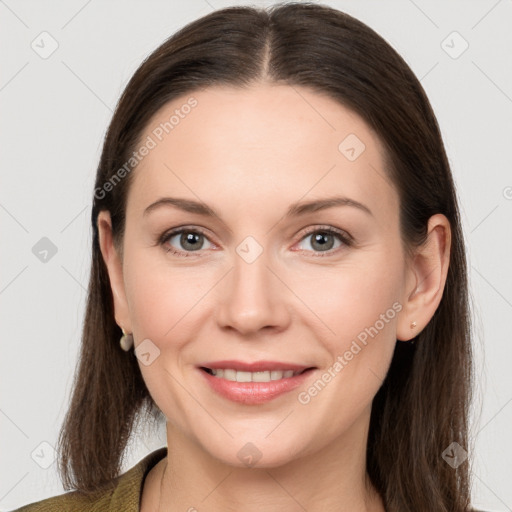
{"x":71,"y":502}
{"x":124,"y":493}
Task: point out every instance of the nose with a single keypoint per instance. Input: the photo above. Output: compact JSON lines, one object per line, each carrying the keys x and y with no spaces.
{"x":253,"y":297}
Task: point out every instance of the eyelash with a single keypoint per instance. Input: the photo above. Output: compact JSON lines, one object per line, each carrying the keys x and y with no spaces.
{"x":343,"y":237}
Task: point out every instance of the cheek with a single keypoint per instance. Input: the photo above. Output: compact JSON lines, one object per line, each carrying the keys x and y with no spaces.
{"x":349,"y":298}
{"x":356,"y":308}
{"x":164,"y":301}
{"x":160,"y":296}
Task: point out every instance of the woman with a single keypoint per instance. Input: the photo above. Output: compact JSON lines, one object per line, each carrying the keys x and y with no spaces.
{"x":277,"y":247}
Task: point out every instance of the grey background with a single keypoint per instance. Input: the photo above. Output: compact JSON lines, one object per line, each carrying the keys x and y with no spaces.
{"x":54,"y":114}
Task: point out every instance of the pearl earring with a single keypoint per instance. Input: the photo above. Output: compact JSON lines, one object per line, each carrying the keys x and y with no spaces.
{"x":413,"y":325}
{"x":126,"y":341}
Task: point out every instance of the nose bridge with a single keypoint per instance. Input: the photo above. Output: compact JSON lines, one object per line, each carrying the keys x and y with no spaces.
{"x":253,"y":296}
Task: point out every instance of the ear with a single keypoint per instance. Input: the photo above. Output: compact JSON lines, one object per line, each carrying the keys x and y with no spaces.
{"x":426,"y":278}
{"x":114,"y":266}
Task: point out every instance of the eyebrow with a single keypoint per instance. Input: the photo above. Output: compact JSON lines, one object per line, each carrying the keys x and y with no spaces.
{"x":295,"y":210}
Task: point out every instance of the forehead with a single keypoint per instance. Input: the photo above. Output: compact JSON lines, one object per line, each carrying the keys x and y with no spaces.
{"x":274,"y":142}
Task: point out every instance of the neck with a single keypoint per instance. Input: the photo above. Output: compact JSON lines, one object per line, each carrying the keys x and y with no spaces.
{"x":333,"y":478}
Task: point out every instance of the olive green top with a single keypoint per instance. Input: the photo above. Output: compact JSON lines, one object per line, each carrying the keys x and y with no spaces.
{"x":125,"y":496}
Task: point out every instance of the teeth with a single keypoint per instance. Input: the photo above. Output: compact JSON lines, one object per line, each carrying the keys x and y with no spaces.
{"x":240,"y":376}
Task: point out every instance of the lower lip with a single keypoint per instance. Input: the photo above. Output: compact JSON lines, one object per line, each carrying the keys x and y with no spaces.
{"x":253,"y":393}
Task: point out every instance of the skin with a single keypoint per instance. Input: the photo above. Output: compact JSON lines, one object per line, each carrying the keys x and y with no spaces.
{"x":249,"y":154}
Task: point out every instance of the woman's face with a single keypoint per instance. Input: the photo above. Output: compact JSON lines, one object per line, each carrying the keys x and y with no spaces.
{"x":261,"y":280}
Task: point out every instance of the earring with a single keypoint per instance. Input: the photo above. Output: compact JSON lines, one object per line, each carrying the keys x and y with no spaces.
{"x":126,"y":341}
{"x":412,"y":340}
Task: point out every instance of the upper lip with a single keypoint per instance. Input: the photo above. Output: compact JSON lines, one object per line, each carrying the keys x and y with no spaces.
{"x":256,"y":366}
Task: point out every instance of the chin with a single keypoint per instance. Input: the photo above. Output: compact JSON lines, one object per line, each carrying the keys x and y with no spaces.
{"x":257,"y":454}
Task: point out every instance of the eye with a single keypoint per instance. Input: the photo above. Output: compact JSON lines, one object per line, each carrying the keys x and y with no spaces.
{"x":323,"y":239}
{"x":190,"y":240}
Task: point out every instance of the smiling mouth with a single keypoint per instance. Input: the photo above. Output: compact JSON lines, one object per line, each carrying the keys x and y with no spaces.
{"x":261,"y":376}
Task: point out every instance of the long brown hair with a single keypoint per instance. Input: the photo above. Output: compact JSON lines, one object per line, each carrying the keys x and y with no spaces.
{"x":423,"y":404}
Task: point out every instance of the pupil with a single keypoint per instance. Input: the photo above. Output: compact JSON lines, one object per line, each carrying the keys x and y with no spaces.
{"x":320,"y":238}
{"x":190,"y":238}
